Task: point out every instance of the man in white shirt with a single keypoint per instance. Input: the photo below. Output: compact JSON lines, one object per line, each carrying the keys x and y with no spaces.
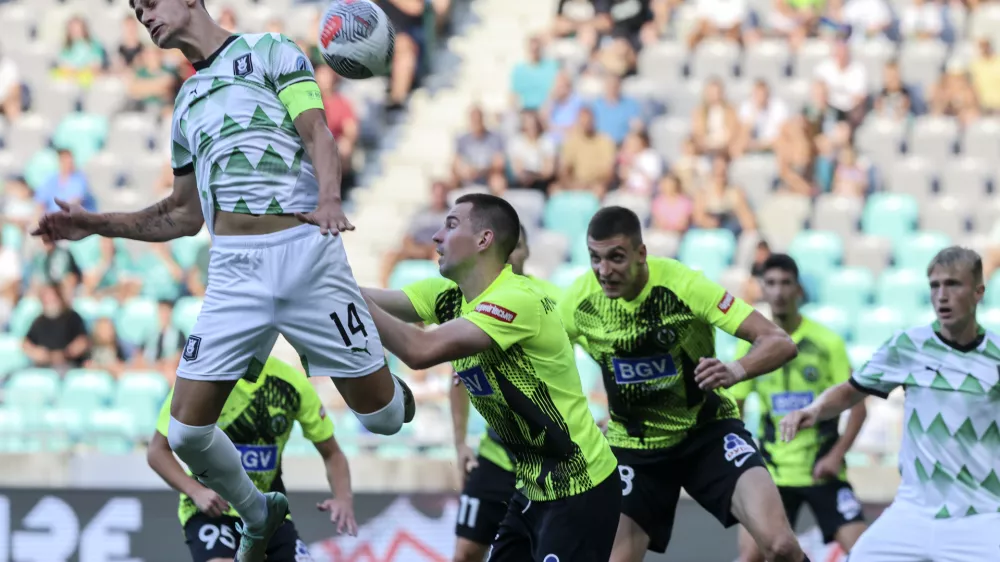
{"x":847,"y":83}
{"x":10,"y":88}
{"x":868,"y":18}
{"x":761,"y":118}
{"x":719,"y":18}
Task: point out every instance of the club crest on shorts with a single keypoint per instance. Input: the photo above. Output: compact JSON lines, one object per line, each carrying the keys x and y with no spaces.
{"x":243,"y":65}
{"x":736,"y":446}
{"x":847,"y":503}
{"x":191,"y":348}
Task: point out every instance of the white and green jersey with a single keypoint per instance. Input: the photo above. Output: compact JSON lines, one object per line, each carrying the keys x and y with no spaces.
{"x":950,"y":455}
{"x":231,"y":128}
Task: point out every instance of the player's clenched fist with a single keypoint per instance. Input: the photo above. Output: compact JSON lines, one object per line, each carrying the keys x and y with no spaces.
{"x":71,"y":222}
{"x":710,"y":373}
{"x":796,"y":421}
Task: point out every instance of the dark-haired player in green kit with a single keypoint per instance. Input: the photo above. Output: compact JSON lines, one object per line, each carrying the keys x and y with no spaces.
{"x":506,"y":341}
{"x":650,"y":324}
{"x":809,"y":470}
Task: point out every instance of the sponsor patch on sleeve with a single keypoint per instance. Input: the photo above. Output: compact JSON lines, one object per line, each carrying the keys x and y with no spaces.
{"x":496,"y":311}
{"x":322,"y":413}
{"x":726,"y":303}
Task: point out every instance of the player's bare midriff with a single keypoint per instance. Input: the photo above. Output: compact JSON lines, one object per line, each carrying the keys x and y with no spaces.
{"x":239,"y":224}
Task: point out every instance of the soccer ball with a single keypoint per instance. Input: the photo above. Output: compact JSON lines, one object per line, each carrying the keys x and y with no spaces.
{"x":356,"y":39}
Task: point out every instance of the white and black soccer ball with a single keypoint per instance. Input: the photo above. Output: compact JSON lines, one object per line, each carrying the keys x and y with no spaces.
{"x":356,"y":39}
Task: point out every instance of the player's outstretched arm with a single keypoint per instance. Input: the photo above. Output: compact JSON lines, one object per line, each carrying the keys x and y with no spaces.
{"x":162,"y":460}
{"x":829,"y":405}
{"x":322,"y":149}
{"x":338,"y":474}
{"x":179,"y":214}
{"x":421,"y":349}
{"x":393,"y":301}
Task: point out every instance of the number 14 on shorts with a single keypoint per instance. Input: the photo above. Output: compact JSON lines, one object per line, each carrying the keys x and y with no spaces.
{"x":355,"y":326}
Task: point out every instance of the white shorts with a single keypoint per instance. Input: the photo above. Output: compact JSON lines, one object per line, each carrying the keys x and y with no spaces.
{"x":904,"y":533}
{"x":296,"y":282}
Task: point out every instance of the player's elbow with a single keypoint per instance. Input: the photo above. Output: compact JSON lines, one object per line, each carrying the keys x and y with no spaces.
{"x":784,"y":346}
{"x":420,"y":359}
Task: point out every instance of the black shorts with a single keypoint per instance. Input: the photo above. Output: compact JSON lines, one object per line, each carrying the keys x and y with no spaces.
{"x":706,"y":464}
{"x":579,"y":528}
{"x":833,"y":503}
{"x":216,"y":537}
{"x":483,"y":505}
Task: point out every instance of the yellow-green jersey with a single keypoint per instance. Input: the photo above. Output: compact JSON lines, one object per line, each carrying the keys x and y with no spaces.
{"x":258,"y":418}
{"x":526,"y":386}
{"x":550,"y":289}
{"x":648,"y":349}
{"x":822,"y":362}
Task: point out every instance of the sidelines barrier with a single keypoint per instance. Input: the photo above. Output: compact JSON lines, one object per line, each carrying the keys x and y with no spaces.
{"x":38,"y":525}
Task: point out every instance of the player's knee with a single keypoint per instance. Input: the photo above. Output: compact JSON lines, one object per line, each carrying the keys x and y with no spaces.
{"x":389,"y":419}
{"x":186,"y":440}
{"x":782,"y":548}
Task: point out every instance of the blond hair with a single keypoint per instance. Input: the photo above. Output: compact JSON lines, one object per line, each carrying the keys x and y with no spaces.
{"x":957,"y":256}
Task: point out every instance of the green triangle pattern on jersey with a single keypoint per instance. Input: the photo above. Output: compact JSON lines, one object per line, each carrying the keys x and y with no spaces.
{"x":910,"y":380}
{"x":971,"y":385}
{"x":991,"y":350}
{"x":204,"y":142}
{"x":181,"y":155}
{"x":965,"y":477}
{"x":262,"y":47}
{"x":274,"y":208}
{"x":230,"y":127}
{"x":904,"y":342}
{"x":914,"y":426}
{"x":297,"y":161}
{"x":921,"y":471}
{"x":260,"y":120}
{"x":971,"y":511}
{"x":938,"y":430}
{"x":215,"y":174}
{"x":940,"y":476}
{"x":966,"y":434}
{"x":242,"y":207}
{"x":940,"y":383}
{"x":271,"y":163}
{"x":238,"y":165}
{"x":875,"y":376}
{"x":288,"y":125}
{"x":991,"y":437}
{"x":991,"y":484}
{"x":239,"y":48}
{"x":184,"y":127}
{"x":943,"y":513}
{"x":931,"y":344}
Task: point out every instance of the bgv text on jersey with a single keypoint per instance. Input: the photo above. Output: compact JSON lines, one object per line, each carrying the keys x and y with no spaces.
{"x":642,"y":369}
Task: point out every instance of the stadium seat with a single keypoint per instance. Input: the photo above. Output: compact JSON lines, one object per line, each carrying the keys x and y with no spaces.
{"x":708,"y":249}
{"x":12,"y":357}
{"x":110,"y":431}
{"x":890,"y":215}
{"x":859,"y":354}
{"x":848,"y":288}
{"x":137,"y":321}
{"x":88,"y":308}
{"x":86,"y":252}
{"x":32,"y":388}
{"x":921,"y":316}
{"x":348,"y":428}
{"x":60,"y":429}
{"x":569,"y":212}
{"x":529,"y":204}
{"x":410,"y":271}
{"x":42,"y":165}
{"x":13,"y":236}
{"x":186,"y":311}
{"x":477,"y":424}
{"x":817,"y":252}
{"x":590,"y":371}
{"x":185,"y":250}
{"x":298,"y":445}
{"x":992,"y":296}
{"x":917,"y":250}
{"x":566,"y":274}
{"x":13,"y":430}
{"x":833,"y":317}
{"x":81,"y":133}
{"x":23,"y":315}
{"x":876,"y":325}
{"x":85,"y":389}
{"x":725,"y":345}
{"x":902,"y":289}
{"x":990,"y":319}
{"x":141,"y":387}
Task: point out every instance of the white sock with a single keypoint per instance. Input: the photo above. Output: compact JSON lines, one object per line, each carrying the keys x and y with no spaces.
{"x":215,"y":462}
{"x":389,"y":419}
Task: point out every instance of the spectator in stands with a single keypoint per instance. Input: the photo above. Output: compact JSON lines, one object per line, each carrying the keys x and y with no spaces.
{"x":867,"y":19}
{"x":614,"y":113}
{"x":532,"y":79}
{"x":129,"y":47}
{"x":794,"y":20}
{"x":163,"y":351}
{"x":850,"y":178}
{"x":985,"y":72}
{"x":55,"y":265}
{"x":19,"y":206}
{"x":660,"y":27}
{"x":196,"y":278}
{"x":575,"y":18}
{"x":751,"y":287}
{"x":719,"y":19}
{"x":10,"y":88}
{"x":714,"y":123}
{"x":151,"y":85}
{"x":796,"y":155}
{"x":587,"y":161}
{"x":68,"y":184}
{"x":720,"y":204}
{"x":761,"y":120}
{"x":227,"y":20}
{"x":82,"y":57}
{"x":895,"y":100}
{"x":109,"y":273}
{"x":672,"y":208}
{"x":341,"y":119}
{"x":922,"y":19}
{"x":639,"y":166}
{"x":531,"y":156}
{"x":161,"y":276}
{"x":953,"y":95}
{"x":418,"y":243}
{"x":691,"y":168}
{"x":106,"y":351}
{"x":561,"y":111}
{"x":58,"y":338}
{"x":11,"y":278}
{"x":623,"y":21}
{"x":407,"y":17}
{"x":846,"y":83}
{"x":478,"y":153}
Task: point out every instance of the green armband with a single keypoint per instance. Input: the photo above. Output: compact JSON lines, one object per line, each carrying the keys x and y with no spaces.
{"x":300,"y":97}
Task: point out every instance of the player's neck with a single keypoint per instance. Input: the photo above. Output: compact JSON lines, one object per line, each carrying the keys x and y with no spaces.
{"x":641,"y":278}
{"x":788,"y":322}
{"x":201,"y":39}
{"x":960,"y":333}
{"x":477,"y":279}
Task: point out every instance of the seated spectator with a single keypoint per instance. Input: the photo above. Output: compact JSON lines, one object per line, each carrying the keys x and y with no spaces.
{"x":19,"y":206}
{"x":614,"y":113}
{"x":867,"y":19}
{"x":106,"y":350}
{"x":672,"y":208}
{"x":691,"y":168}
{"x":846,"y":83}
{"x":227,"y":20}
{"x":82,"y":57}
{"x":532,"y":80}
{"x":161,"y":276}
{"x":719,"y":204}
{"x":129,"y":47}
{"x":111,"y":270}
{"x":664,"y":12}
{"x":922,"y":19}
{"x":895,"y":100}
{"x":985,"y":72}
{"x":342,"y":120}
{"x":55,"y":266}
{"x":11,"y":280}
{"x":761,"y":119}
{"x":407,"y":17}
{"x":151,"y":85}
{"x":714,"y":123}
{"x":163,"y":351}
{"x":58,"y":338}
{"x":850,"y":177}
{"x":532,"y":155}
{"x":68,"y":184}
{"x":418,"y":243}
{"x":721,"y":19}
{"x":10,"y":88}
{"x":623,"y":21}
{"x":794,"y":20}
{"x":478,"y":153}
{"x":796,"y":154}
{"x":752,"y":292}
{"x":576,"y":18}
{"x":953,"y":95}
{"x":820,"y":117}
{"x":587,"y":161}
{"x":561,"y":111}
{"x":639,"y":166}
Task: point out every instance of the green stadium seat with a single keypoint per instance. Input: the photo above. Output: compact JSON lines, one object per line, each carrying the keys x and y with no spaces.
{"x":859,"y":354}
{"x":708,"y":250}
{"x":439,"y":453}
{"x":921,"y":316}
{"x":989,"y":318}
{"x":849,"y":288}
{"x":137,"y":321}
{"x":86,"y":252}
{"x":88,"y":308}
{"x":141,"y":387}
{"x":186,"y":311}
{"x":60,"y":429}
{"x":566,"y":274}
{"x":569,"y":213}
{"x":12,"y":357}
{"x":86,"y":389}
{"x":410,"y":271}
{"x":24,"y":314}
{"x":347,"y":428}
{"x":110,"y":431}
{"x":13,"y":236}
{"x":394,"y":451}
{"x":40,"y":167}
{"x":298,"y":445}
{"x":13,"y":431}
{"x":992,"y":296}
{"x":590,"y":371}
{"x":902,"y":289}
{"x":477,"y":424}
{"x":32,"y":389}
{"x":917,"y":250}
{"x":107,"y":308}
{"x":833,"y":317}
{"x":817,"y":252}
{"x":81,"y":133}
{"x":875,"y":326}
{"x":725,"y":345}
{"x":890,"y":215}
{"x":579,"y":252}
{"x":157,"y":282}
{"x":185,"y":250}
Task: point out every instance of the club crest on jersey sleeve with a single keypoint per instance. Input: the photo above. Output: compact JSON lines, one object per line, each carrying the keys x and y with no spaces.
{"x":496,"y":311}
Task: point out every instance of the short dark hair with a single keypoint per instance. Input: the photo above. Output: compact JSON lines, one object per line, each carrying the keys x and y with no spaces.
{"x":782,"y":262}
{"x":615,"y":221}
{"x":490,"y":212}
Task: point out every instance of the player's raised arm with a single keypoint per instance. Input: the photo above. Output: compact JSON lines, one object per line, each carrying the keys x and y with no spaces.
{"x":393,"y":301}
{"x":416,"y":302}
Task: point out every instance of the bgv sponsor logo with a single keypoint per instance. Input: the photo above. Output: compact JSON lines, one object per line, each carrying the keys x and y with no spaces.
{"x":736,"y":446}
{"x":496,"y":311}
{"x":642,"y":369}
{"x":726,"y":303}
{"x":258,"y":458}
{"x":475,"y":380}
{"x":787,"y":402}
